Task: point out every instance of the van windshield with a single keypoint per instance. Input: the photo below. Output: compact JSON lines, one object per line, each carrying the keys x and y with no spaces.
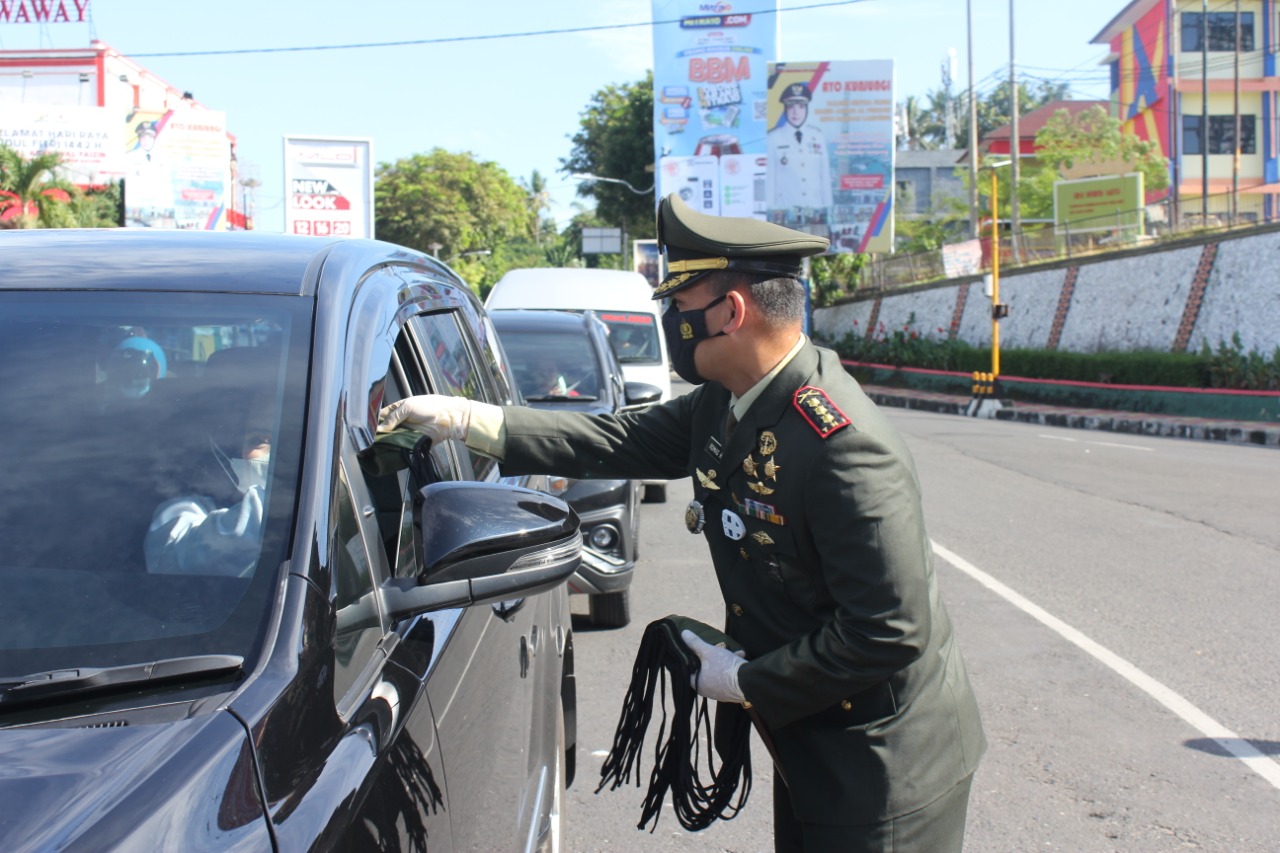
{"x":634,"y":337}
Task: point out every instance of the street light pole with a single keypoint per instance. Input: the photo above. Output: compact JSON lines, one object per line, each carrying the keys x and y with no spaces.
{"x":587,"y":177}
{"x":995,"y":273}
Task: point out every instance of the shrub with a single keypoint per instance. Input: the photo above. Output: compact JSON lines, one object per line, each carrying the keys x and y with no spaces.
{"x":1227,"y":366}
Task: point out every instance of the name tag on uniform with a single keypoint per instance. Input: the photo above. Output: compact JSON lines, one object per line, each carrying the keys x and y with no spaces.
{"x":714,"y":448}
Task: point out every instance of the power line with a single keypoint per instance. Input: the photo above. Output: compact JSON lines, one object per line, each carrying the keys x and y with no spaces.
{"x":460,"y":39}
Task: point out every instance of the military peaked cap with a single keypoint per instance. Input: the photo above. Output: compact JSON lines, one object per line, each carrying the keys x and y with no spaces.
{"x":796,"y":92}
{"x":696,"y":244}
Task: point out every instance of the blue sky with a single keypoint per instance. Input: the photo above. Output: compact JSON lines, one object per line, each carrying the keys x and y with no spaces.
{"x":516,"y":101}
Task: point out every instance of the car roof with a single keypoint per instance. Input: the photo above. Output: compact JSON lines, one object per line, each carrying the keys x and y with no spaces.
{"x":535,"y":320}
{"x":571,"y":289}
{"x":145,"y":259}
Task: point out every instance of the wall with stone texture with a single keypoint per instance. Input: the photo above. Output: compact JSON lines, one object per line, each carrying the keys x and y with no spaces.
{"x":1130,"y":303}
{"x":1170,"y":298}
{"x":1243,"y":295}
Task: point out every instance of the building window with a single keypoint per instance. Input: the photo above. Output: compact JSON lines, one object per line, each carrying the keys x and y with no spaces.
{"x":1221,"y":135}
{"x":1222,"y":31}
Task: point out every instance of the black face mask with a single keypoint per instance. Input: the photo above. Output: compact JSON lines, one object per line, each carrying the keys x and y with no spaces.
{"x":684,"y":330}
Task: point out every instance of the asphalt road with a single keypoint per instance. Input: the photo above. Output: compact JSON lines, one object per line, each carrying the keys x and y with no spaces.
{"x":1115,"y":600}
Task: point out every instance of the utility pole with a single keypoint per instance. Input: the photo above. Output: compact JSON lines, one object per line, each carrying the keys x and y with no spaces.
{"x":1204,"y":113}
{"x":1175,"y":119}
{"x":973,"y":133}
{"x":1015,"y":144}
{"x":1235,"y":163}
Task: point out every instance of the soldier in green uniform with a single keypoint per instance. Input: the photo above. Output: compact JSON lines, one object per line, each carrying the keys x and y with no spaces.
{"x":809,"y":502}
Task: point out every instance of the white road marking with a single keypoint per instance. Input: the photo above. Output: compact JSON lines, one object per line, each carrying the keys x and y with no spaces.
{"x":1125,"y":446}
{"x":1193,"y":716}
{"x":1099,"y":443}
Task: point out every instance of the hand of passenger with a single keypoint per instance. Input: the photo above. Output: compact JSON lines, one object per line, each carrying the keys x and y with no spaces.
{"x":437,"y":416}
{"x":717,"y":679}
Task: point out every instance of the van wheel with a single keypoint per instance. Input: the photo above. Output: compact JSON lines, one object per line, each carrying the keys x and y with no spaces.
{"x":610,"y":609}
{"x":655,"y":493}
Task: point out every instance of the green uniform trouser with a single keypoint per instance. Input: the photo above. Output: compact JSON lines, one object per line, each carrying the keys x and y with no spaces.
{"x":936,"y":828}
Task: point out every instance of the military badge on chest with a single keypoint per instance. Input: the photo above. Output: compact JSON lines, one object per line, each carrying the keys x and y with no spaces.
{"x":763,"y":471}
{"x":695,"y":514}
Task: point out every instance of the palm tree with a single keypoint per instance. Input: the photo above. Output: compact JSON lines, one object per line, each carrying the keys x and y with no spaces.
{"x":31,"y":194}
{"x":538,"y":198}
{"x":923,"y":126}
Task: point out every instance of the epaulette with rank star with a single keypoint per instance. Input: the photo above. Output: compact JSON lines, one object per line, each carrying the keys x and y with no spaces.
{"x":822,"y":414}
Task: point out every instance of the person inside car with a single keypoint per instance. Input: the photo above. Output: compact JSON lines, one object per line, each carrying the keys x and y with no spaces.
{"x":549,"y":377}
{"x":131,"y":368}
{"x":192,"y":535}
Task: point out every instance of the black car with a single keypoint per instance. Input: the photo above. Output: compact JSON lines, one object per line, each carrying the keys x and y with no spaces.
{"x":562,"y":360}
{"x":234,"y":616}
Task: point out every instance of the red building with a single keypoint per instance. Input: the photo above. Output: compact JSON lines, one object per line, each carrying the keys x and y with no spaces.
{"x":113,"y":119}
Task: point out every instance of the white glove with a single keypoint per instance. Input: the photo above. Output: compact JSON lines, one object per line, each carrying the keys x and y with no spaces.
{"x":435,"y":415}
{"x":717,"y":678}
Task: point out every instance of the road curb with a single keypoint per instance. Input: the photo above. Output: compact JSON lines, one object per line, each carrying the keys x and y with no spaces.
{"x":1236,"y":432}
{"x":1198,"y":429}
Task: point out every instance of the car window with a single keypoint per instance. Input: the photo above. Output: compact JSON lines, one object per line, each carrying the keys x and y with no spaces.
{"x":634,"y":337}
{"x":152,"y":443}
{"x":394,"y":493}
{"x":456,"y":367}
{"x":500,"y":370}
{"x":553,"y":365}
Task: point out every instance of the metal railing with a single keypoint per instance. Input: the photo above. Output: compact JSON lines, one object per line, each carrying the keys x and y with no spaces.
{"x":1043,"y":243}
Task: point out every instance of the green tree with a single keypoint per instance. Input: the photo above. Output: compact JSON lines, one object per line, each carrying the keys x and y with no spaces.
{"x":994,"y":109}
{"x":1090,"y":136}
{"x":919,"y":125}
{"x":615,"y":140}
{"x":539,"y":199}
{"x":98,"y":207}
{"x":31,"y":193}
{"x":449,"y":203}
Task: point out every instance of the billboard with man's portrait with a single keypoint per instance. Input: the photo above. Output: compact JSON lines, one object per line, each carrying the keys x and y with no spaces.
{"x":177,"y":169}
{"x":830,"y":146}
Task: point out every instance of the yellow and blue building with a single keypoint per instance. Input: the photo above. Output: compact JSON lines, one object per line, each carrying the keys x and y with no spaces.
{"x":1166,"y":58}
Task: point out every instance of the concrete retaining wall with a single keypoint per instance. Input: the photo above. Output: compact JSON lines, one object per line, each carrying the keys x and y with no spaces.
{"x":1160,"y":298}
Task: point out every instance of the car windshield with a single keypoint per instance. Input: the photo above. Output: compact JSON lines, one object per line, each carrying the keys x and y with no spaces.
{"x":634,"y":337}
{"x":152,"y":444}
{"x":552,"y":365}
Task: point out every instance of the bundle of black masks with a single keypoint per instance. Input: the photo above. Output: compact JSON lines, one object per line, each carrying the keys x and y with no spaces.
{"x":685,"y":754}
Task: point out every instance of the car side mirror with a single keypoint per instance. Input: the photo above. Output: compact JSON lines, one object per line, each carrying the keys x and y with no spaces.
{"x":640,"y":394}
{"x":486,"y":542}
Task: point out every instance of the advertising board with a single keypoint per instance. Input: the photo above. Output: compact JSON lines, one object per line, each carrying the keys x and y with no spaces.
{"x":831,"y":151}
{"x":328,"y":186}
{"x":710,"y":66}
{"x":1098,"y":204}
{"x":177,"y":169}
{"x":89,"y":139}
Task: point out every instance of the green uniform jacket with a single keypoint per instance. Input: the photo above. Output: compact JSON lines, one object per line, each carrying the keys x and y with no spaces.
{"x":814,"y":522}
